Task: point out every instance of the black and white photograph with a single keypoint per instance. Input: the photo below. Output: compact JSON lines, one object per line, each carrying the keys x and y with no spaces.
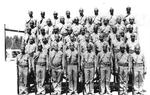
{"x":74,"y":47}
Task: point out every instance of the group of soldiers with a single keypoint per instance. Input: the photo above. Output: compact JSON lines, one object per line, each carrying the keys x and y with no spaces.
{"x":81,"y":49}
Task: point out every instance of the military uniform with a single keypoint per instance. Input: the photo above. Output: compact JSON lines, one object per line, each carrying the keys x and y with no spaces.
{"x":72,"y":65}
{"x":30,"y":50}
{"x":41,"y":60}
{"x":131,"y":45}
{"x":76,"y":29}
{"x":88,"y":63}
{"x":56,"y":59}
{"x":104,"y":68}
{"x":138,"y":72}
{"x":123,"y":69}
{"x":23,"y":68}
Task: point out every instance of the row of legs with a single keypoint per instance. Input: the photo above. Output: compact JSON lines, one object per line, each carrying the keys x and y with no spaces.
{"x":72,"y":76}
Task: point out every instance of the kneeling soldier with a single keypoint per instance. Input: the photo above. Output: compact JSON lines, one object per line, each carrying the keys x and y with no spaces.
{"x":23,"y":68}
{"x":88,"y":63}
{"x":104,"y":68}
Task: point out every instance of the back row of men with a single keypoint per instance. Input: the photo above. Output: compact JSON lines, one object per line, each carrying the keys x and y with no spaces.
{"x":82,"y":48}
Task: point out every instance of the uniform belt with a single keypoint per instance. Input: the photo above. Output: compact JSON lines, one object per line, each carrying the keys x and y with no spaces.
{"x":116,"y":50}
{"x":131,"y":51}
{"x":123,"y":64}
{"x":89,"y":65}
{"x":138,"y":64}
{"x":56,"y":66}
{"x":105,"y":63}
{"x":73,"y":63}
{"x":23,"y":66}
{"x":41,"y":63}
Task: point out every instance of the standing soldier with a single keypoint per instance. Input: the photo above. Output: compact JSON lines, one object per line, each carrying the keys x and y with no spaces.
{"x":82,"y":18}
{"x":106,"y":29}
{"x":30,"y":13}
{"x":62,"y":26}
{"x":68,"y":19}
{"x":26,"y":36}
{"x":23,"y":68}
{"x":57,"y":67}
{"x":89,"y":25}
{"x":48,"y":28}
{"x":96,"y":18}
{"x":88,"y":60}
{"x":76,"y":27}
{"x":112,"y":19}
{"x":41,"y":61}
{"x":33,"y":29}
{"x":30,"y":49}
{"x":99,"y":44}
{"x":133,"y":24}
{"x":126,"y":18}
{"x":71,"y":60}
{"x":138,"y":63}
{"x":119,"y":25}
{"x":115,"y":48}
{"x":95,"y":35}
{"x":55,"y":19}
{"x":104,"y":67}
{"x":42,"y":22}
{"x":131,"y":43}
{"x":122,"y":59}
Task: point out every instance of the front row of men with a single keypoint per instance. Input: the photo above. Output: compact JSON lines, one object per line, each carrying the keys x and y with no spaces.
{"x":75,"y":66}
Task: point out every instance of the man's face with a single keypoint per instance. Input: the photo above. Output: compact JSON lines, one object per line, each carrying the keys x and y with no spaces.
{"x":32,"y":24}
{"x":62,"y":20}
{"x":122,"y":34}
{"x":40,"y":48}
{"x":128,"y":10}
{"x":43,"y":32}
{"x":43,"y":15}
{"x":87,"y":39}
{"x":105,"y":48}
{"x":31,"y":41}
{"x":122,"y":49}
{"x":137,"y":51}
{"x":72,"y":38}
{"x":114,"y":29}
{"x":131,"y":21}
{"x":56,"y":47}
{"x":90,"y":20}
{"x":23,"y":49}
{"x":96,"y":12}
{"x":45,"y":41}
{"x":81,"y":13}
{"x":29,"y":31}
{"x":89,"y":48}
{"x":30,"y":14}
{"x":119,"y":20}
{"x":49,"y":23}
{"x":55,"y":31}
{"x":111,"y":12}
{"x":105,"y":22}
{"x":72,"y":48}
{"x":68,"y":15}
{"x":130,"y":29}
{"x":132,"y":38}
{"x":55,"y":16}
{"x":118,"y":37}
